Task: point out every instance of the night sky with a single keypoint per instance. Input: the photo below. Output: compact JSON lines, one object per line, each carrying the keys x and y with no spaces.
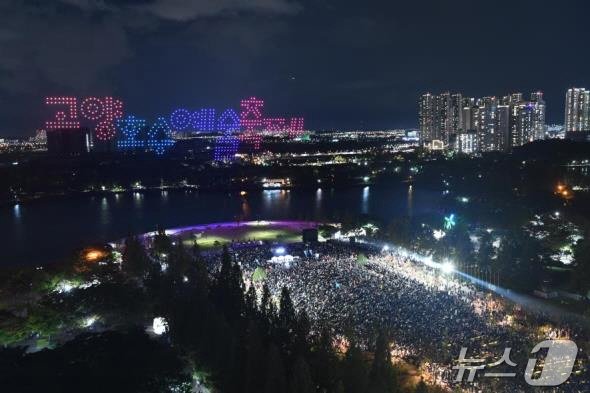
{"x":341,"y":64}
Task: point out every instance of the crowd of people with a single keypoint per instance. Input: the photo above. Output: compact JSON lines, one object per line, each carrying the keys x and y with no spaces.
{"x":430,"y":314}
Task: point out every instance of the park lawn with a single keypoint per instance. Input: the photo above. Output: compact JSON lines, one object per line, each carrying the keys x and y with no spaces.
{"x":218,"y":237}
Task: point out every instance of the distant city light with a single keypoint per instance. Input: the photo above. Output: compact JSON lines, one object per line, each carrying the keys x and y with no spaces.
{"x":64,"y":287}
{"x":94,"y":255}
{"x":89,"y":321}
{"x":447,"y":267}
{"x":160,"y":326}
{"x":438,"y":234}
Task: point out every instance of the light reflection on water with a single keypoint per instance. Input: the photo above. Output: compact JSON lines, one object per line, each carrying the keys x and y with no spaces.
{"x":410,"y":199}
{"x":318,"y":199}
{"x":365,"y":202}
{"x":47,"y":230}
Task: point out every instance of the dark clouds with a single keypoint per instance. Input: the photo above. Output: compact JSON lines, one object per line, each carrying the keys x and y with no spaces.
{"x":186,"y":10}
{"x":341,"y":63}
{"x":183,"y":10}
{"x":79,"y":47}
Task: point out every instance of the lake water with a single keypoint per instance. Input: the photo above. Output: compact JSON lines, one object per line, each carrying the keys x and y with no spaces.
{"x":46,"y":231}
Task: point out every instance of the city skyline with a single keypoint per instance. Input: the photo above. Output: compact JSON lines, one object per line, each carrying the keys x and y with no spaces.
{"x":582,"y":119}
{"x":339,"y":67}
{"x":483,"y":124}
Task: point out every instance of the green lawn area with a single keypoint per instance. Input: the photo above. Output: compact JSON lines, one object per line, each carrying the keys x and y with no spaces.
{"x":209,"y":238}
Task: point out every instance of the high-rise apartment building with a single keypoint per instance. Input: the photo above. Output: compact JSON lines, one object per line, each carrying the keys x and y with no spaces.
{"x":487,"y":129}
{"x":503,"y":128}
{"x":443,"y":116}
{"x":466,"y":142}
{"x":69,"y":141}
{"x":440,"y":117}
{"x":455,"y":115}
{"x":427,"y":118}
{"x":577,"y":106}
{"x":539,"y":126}
{"x":498,"y":123}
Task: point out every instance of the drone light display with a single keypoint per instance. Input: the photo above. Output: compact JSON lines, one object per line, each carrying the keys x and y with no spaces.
{"x":295,"y":128}
{"x":255,"y":124}
{"x":131,"y":127}
{"x":67,"y":119}
{"x":228,"y":121}
{"x":226,"y":147}
{"x":204,"y":120}
{"x":105,"y":114}
{"x":180,"y":119}
{"x":160,"y":136}
{"x":92,"y":108}
{"x":251,"y":114}
{"x":112,"y":110}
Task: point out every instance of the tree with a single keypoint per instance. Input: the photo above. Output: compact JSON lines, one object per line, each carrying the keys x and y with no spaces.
{"x":135,"y":259}
{"x":200,"y":277}
{"x":581,"y":272}
{"x":399,"y":231}
{"x":179,"y":261}
{"x":459,"y":242}
{"x":382,"y":378}
{"x":286,"y":322}
{"x":132,"y":362}
{"x":300,"y":381}
{"x":486,"y":250}
{"x":275,"y":372}
{"x":267,"y":310}
{"x":302,"y":331}
{"x":229,"y":288}
{"x":528,"y":269}
{"x":506,"y":255}
{"x":196,"y":249}
{"x":324,"y":361}
{"x":255,"y":367}
{"x":251,"y":302}
{"x":162,"y":243}
{"x":519,"y":263}
{"x":421,"y":387}
{"x":354,"y":371}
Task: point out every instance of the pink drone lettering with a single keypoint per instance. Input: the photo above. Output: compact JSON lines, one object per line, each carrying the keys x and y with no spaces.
{"x":106,"y":117}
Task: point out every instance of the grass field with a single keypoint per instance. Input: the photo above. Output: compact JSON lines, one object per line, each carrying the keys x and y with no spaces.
{"x":210,"y":236}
